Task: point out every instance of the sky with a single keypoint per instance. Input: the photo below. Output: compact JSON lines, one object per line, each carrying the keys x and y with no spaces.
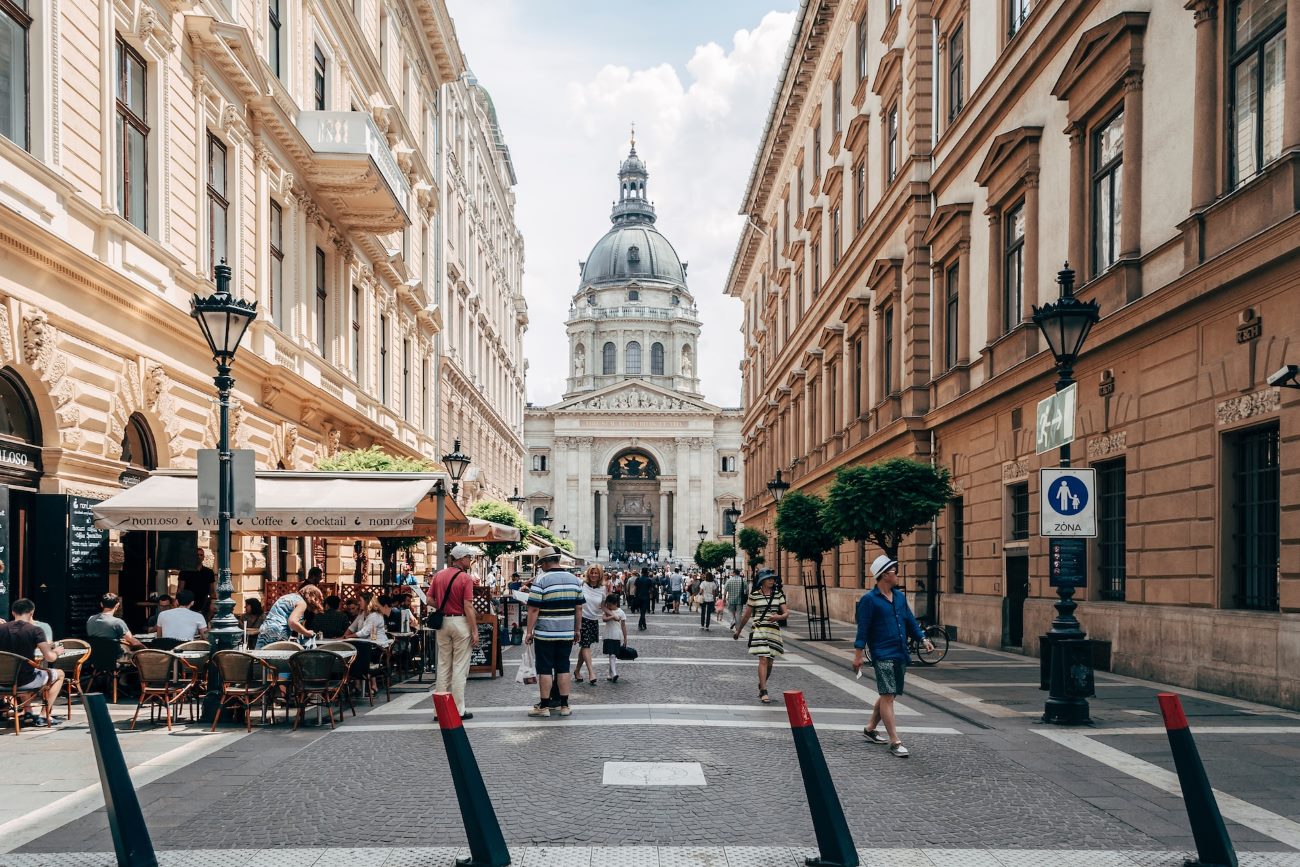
{"x":568,"y":78}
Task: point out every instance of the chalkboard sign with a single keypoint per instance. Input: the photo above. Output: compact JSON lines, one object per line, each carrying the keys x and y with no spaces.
{"x":483,"y":659}
{"x":74,"y":572}
{"x":4,"y":551}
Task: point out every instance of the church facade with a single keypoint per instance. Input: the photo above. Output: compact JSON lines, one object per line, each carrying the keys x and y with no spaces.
{"x":632,"y":459}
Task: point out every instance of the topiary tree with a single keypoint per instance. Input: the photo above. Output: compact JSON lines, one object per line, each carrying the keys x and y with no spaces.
{"x":882,"y":503}
{"x":501,"y":513}
{"x":712,"y":555}
{"x":376,"y":460}
{"x":753,"y":542}
{"x":801,"y":528}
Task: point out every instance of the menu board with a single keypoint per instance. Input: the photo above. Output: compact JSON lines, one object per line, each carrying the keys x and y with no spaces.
{"x":483,"y":659}
{"x":87,"y":576}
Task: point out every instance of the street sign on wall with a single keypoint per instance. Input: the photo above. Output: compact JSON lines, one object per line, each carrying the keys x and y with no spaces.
{"x":1067,"y":508}
{"x":1055,"y":425}
{"x":243,"y":471}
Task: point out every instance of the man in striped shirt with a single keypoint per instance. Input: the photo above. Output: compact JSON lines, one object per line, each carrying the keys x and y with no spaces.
{"x":554,"y":616}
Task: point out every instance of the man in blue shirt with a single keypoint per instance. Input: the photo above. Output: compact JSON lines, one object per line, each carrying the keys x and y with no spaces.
{"x":884,"y":624}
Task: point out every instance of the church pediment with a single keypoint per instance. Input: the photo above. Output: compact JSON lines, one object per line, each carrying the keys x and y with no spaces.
{"x":633,"y":397}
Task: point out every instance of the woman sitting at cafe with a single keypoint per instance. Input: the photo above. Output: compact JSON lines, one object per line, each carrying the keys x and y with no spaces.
{"x":287,"y":616}
{"x":372,"y":625}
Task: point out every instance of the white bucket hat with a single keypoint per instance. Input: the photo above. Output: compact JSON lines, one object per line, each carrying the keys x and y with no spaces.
{"x":881,"y":565}
{"x":465,"y":551}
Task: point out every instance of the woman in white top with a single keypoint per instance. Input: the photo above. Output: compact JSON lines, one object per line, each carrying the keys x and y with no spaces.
{"x":371,"y":625}
{"x":593,"y":596}
{"x":708,"y":591}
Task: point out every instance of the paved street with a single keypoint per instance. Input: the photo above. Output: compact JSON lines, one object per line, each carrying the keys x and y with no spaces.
{"x":984,"y":774}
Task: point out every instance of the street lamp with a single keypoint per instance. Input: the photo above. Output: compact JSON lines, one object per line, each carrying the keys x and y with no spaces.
{"x":731,"y":515}
{"x":517,"y":501}
{"x":456,"y":465}
{"x":564,"y":532}
{"x":546,"y":520}
{"x":702,"y":533}
{"x":1065,"y":324}
{"x":223,"y":319}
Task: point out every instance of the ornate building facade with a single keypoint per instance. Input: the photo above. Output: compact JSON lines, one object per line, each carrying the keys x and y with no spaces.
{"x":482,"y":362}
{"x":924,"y":173}
{"x":632,"y":459}
{"x":142,"y":144}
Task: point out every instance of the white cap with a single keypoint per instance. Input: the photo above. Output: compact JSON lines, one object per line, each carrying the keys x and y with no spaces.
{"x":881,"y":565}
{"x":465,"y":551}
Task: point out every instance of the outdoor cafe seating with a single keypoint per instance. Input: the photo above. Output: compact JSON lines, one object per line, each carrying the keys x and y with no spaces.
{"x":246,"y":680}
{"x":319,"y":678}
{"x":75,"y":653}
{"x":166,"y":679}
{"x":14,"y":672}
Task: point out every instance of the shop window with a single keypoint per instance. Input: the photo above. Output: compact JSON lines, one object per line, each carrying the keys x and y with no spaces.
{"x":1256,"y":78}
{"x":1256,"y":515}
{"x":1111,"y":528}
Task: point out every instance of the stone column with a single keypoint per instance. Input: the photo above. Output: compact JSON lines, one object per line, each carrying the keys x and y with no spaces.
{"x":607,"y":508}
{"x":1130,"y":229}
{"x":682,"y":502}
{"x":963,"y":303}
{"x":708,"y":457}
{"x":995,"y":293}
{"x":939,"y":315}
{"x":1032,"y":239}
{"x":665,"y":530}
{"x":560,"y":474}
{"x":1205,"y":112}
{"x":1291,"y":97}
{"x":582,"y":533}
{"x":1079,"y":199}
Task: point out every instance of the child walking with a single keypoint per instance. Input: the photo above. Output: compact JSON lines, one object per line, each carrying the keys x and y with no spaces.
{"x":615,"y":633}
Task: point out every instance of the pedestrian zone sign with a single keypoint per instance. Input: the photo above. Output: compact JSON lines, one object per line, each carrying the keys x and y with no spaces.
{"x":1067,"y":507}
{"x":1055,"y":420}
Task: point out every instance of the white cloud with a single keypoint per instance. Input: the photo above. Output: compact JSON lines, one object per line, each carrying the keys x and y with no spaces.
{"x":567,"y":125}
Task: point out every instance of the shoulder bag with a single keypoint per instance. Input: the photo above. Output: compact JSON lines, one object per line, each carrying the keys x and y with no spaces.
{"x":435,"y":617}
{"x":766,"y":610}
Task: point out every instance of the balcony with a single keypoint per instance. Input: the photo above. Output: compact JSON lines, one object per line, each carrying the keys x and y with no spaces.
{"x":356,"y":170}
{"x":631,"y":311}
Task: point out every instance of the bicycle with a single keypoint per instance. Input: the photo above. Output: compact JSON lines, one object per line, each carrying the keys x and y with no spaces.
{"x":938,"y":637}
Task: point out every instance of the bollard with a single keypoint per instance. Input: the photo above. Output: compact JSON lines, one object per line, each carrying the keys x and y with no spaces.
{"x":1213,"y":846}
{"x":125,"y":820}
{"x":834,"y":842}
{"x":487,"y":848}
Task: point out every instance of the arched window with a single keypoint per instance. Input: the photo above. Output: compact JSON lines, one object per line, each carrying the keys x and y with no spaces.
{"x":657,"y":359}
{"x":632,"y":359}
{"x":608,"y":359}
{"x":633,"y":295}
{"x":538,"y":514}
{"x":137,"y":445}
{"x":17,"y":416}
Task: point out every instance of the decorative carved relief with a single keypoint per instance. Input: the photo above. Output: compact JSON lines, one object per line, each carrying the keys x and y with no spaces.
{"x":290,"y":440}
{"x":271,"y":389}
{"x":155,"y":385}
{"x":38,"y":339}
{"x":1248,"y":405}
{"x":6,"y":341}
{"x":1100,"y":447}
{"x":1014,"y":471}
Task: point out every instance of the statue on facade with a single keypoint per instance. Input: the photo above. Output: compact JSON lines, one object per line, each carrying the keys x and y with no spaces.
{"x":580,"y":361}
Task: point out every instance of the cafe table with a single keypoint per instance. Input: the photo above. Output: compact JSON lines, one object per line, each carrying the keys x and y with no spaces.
{"x":279,"y":660}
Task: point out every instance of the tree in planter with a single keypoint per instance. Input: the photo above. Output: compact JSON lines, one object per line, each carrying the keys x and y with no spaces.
{"x":884,"y":502}
{"x":501,"y":513}
{"x":713,"y":555}
{"x":376,"y":460}
{"x":753,"y":542}
{"x":801,"y":528}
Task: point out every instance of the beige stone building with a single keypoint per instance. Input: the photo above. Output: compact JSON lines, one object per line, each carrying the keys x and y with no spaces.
{"x":926,"y":169}
{"x":485,"y":317}
{"x":143,"y":142}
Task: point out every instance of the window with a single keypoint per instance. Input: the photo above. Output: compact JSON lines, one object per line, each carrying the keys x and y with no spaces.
{"x":956,"y":71}
{"x":957,"y":544}
{"x":1018,"y":494}
{"x":634,"y":295}
{"x":218,"y":204}
{"x":833,"y":387}
{"x":608,"y":355}
{"x":656,"y":359}
{"x":1256,"y":76}
{"x":1111,"y":526}
{"x":1256,"y":515}
{"x":318,"y":79}
{"x":1013,"y":273}
{"x":817,"y":148}
{"x":538,"y":513}
{"x":632,"y":359}
{"x":132,"y":137}
{"x":835,"y":236}
{"x":891,"y":6}
{"x":406,"y":378}
{"x":861,"y":45}
{"x":354,"y":338}
{"x":383,"y":360}
{"x":273,"y":36}
{"x":1107,"y":197}
{"x":539,"y":465}
{"x":322,"y":300}
{"x":276,"y":244}
{"x":815,"y":266}
{"x":15,"y":29}
{"x":785,"y":213}
{"x":837,"y":103}
{"x":857,"y":377}
{"x":799,"y":196}
{"x":860,"y":195}
{"x":424,"y":394}
{"x":891,"y":145}
{"x":951,"y":312}
{"x":1017,"y":15}
{"x":728,"y":466}
{"x":888,"y":343}
{"x":728,"y":523}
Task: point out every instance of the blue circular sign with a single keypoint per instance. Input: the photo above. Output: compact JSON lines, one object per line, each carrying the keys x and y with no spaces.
{"x":1067,"y":495}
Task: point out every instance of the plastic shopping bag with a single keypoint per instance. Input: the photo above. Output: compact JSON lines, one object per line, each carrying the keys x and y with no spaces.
{"x":527,"y":666}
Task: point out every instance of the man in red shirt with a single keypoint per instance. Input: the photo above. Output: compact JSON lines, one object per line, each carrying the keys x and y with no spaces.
{"x":452,"y":593}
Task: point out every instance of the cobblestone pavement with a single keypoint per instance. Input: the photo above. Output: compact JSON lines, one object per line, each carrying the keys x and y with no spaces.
{"x":983,"y":773}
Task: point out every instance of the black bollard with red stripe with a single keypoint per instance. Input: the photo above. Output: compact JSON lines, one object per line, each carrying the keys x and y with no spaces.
{"x":1213,"y":846}
{"x":131,"y":839}
{"x":487,"y":848}
{"x":834,"y":842}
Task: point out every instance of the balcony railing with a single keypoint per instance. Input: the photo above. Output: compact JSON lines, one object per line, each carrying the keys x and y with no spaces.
{"x":634,"y":312}
{"x":345,"y":141}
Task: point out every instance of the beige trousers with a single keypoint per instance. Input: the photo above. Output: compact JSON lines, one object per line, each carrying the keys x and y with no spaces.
{"x":453,"y":659}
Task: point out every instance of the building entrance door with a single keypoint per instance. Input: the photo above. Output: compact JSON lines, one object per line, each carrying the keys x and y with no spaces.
{"x":1013,"y":630}
{"x":632,"y":539}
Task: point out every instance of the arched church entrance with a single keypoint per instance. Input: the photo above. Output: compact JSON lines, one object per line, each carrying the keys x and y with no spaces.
{"x":635,"y":525}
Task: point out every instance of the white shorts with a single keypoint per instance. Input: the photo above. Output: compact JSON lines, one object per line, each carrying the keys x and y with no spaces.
{"x":41,"y":680}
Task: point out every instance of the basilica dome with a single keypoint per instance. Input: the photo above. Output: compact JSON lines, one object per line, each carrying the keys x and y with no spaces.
{"x":633,"y":252}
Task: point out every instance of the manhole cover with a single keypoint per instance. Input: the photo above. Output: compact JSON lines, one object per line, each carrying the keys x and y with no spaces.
{"x":653,"y":774}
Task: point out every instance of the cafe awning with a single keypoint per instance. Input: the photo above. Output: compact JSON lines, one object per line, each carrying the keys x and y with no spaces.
{"x":480,"y":531}
{"x":297,"y":504}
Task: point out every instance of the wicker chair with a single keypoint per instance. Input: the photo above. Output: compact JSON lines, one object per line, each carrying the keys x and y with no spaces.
{"x":14,"y":672}
{"x":282,"y":645}
{"x":197,"y":644}
{"x":165,"y":679}
{"x":318,"y":677}
{"x":245,"y":681}
{"x":71,"y":668}
{"x":105,"y":663}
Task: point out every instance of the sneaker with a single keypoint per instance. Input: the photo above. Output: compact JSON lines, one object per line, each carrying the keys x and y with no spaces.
{"x":564,"y":710}
{"x":466,"y":716}
{"x":874,"y":736}
{"x":539,"y":711}
{"x":898,"y":750}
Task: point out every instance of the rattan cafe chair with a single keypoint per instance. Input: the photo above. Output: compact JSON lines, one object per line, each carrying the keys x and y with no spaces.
{"x":165,"y":680}
{"x":245,"y":681}
{"x":317,"y":677}
{"x":14,"y":672}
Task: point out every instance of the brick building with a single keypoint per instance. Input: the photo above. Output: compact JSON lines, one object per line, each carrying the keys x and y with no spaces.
{"x":924,"y":173}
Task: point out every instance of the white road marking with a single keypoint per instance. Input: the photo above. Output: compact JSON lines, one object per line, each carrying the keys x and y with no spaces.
{"x":407,"y":704}
{"x":675,"y":721}
{"x":74,"y":805}
{"x":776,"y":707}
{"x":1197,"y":730}
{"x":1242,"y":812}
{"x":788,"y":659}
{"x":653,"y":774}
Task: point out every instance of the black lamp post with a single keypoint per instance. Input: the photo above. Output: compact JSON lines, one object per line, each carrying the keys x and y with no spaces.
{"x":777,"y":488}
{"x":223,"y":319}
{"x":1065,"y":324}
{"x":731,"y":515}
{"x":546,"y":520}
{"x":517,"y":501}
{"x":564,"y":532}
{"x":456,"y":464}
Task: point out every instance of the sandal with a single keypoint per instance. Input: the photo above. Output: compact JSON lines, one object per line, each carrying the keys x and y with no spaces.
{"x":762,"y":696}
{"x":592,"y":681}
